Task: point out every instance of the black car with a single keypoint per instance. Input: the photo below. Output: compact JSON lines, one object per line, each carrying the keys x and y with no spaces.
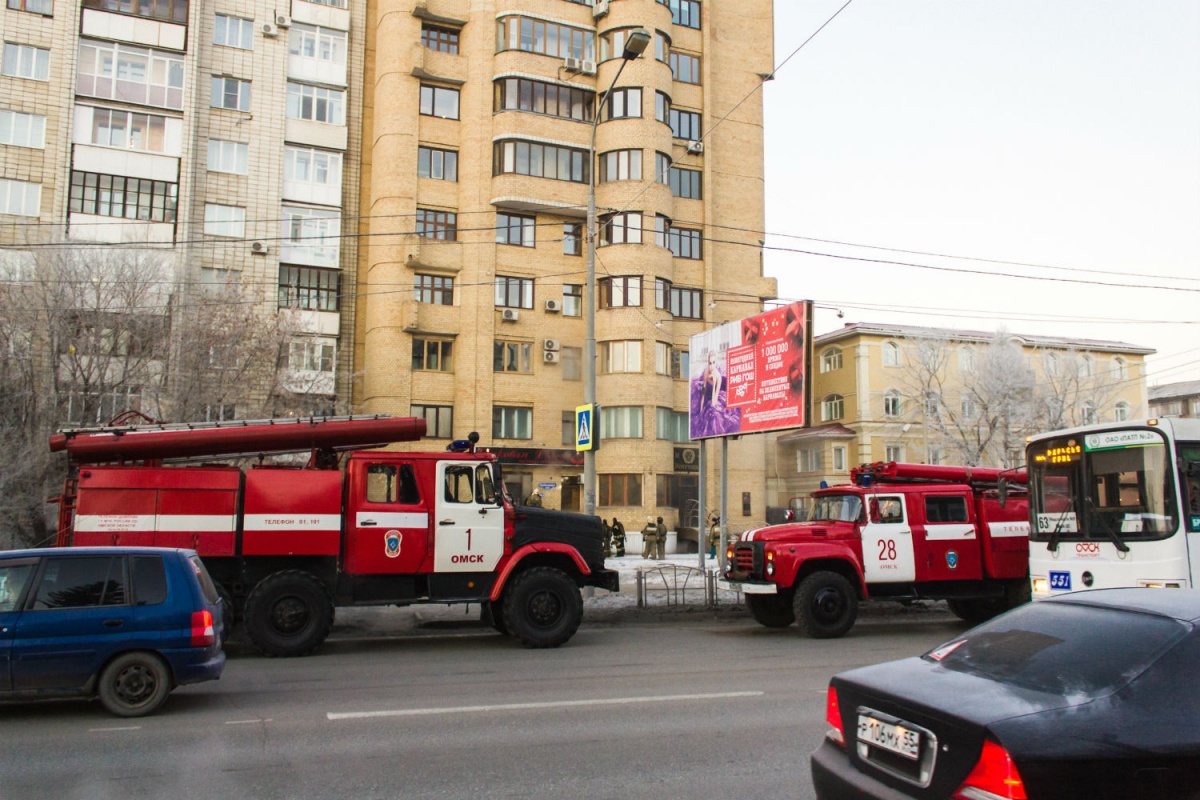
{"x":1088,"y":695}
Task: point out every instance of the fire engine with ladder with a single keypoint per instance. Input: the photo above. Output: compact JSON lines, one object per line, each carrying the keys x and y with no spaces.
{"x":354,"y":526}
{"x":898,"y":532}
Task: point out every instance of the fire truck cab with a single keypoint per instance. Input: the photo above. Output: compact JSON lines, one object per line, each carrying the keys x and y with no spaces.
{"x":900,"y":532}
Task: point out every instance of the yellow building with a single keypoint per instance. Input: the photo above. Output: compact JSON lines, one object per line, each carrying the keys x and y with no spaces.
{"x":478,"y":121}
{"x":945,"y":396}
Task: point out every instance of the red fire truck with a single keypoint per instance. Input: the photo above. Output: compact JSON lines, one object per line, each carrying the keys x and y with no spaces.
{"x":898,"y":532}
{"x":287,"y":544}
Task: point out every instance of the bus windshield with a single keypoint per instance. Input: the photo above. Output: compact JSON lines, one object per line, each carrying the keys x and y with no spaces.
{"x":837,"y":508}
{"x":1115,"y":485}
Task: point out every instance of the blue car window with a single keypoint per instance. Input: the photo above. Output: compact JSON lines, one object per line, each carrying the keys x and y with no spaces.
{"x":76,"y":582}
{"x":149,"y":581}
{"x":12,"y":582}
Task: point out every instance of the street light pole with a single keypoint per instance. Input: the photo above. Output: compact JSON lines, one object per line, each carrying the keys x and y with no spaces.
{"x":636,"y":42}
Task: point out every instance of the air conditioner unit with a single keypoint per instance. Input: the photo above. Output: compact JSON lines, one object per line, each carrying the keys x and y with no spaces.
{"x":550,"y":357}
{"x":283,"y":20}
{"x":695,"y":148}
{"x":509,"y":315}
{"x":260,"y":248}
{"x":554,"y":306}
{"x":573,"y":64}
{"x":600,"y":9}
{"x":587,"y":67}
{"x":550,"y":344}
{"x":270,"y":30}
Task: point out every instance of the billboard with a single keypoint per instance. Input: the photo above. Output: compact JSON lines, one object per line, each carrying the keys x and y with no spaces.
{"x":751,"y":375}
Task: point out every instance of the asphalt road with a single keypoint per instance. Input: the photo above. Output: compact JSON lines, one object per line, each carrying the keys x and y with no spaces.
{"x":696,"y":707}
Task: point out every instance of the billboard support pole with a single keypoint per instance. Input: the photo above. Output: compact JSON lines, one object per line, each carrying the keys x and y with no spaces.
{"x":724,"y":502}
{"x":701,"y":513}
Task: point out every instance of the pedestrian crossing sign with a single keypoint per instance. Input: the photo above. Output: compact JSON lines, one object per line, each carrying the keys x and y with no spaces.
{"x":585,"y":429}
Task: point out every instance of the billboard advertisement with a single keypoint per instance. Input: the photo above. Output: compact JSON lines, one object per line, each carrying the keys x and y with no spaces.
{"x":751,"y":375}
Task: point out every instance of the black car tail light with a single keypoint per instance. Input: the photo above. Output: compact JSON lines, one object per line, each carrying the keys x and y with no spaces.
{"x":203,"y":634}
{"x":993,"y":778}
{"x":833,"y":715}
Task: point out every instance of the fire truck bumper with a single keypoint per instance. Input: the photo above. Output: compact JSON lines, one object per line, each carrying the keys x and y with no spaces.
{"x":749,"y":588}
{"x":608,"y":579}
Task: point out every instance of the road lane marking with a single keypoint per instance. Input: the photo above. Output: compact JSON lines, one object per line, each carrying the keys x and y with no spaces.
{"x":108,"y":730}
{"x":245,"y":721}
{"x":614,"y":701}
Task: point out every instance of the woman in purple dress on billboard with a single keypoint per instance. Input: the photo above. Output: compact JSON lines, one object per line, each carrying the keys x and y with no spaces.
{"x":710,"y":416}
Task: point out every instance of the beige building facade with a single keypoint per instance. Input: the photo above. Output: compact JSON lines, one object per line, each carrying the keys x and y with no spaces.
{"x":478,"y":118}
{"x":945,"y":396}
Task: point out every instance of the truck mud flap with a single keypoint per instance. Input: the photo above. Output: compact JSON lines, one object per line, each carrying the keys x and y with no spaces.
{"x":608,"y":579}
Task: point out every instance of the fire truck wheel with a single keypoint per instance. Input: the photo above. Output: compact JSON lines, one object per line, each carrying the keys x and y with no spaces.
{"x":977,"y":610}
{"x":494,"y":616}
{"x":826,"y":605}
{"x":542,"y":607}
{"x":134,"y":684}
{"x":771,"y":610}
{"x":288,"y":614}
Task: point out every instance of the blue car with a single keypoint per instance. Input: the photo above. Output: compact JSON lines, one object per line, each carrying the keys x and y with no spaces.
{"x":124,"y":624}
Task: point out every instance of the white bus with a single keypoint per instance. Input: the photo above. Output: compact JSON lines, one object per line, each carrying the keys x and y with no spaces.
{"x":1115,"y":505}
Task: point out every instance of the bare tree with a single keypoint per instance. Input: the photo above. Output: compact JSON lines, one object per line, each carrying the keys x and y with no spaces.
{"x":1074,"y":389}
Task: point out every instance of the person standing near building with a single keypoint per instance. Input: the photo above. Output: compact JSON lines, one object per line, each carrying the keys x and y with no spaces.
{"x":618,"y":537}
{"x":661,"y":551}
{"x":534,"y":499}
{"x":650,"y":539}
{"x":608,"y":538}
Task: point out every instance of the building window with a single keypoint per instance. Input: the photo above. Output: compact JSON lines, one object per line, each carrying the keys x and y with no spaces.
{"x":441,"y":165}
{"x":330,"y":3}
{"x":623,"y":228}
{"x":831,"y":359}
{"x":686,"y":303}
{"x":320,"y":44}
{"x":104,"y":405}
{"x":572,"y":364}
{"x":832,"y":407}
{"x":439,"y":101}
{"x":129,"y":130}
{"x":439,"y":420}
{"x":222,"y":220}
{"x":432,"y":355}
{"x":21,"y":198}
{"x":1120,"y":369}
{"x":680,"y":360}
{"x":166,"y":10}
{"x":22,"y":130}
{"x":891,"y":403}
{"x":131,"y":74}
{"x":621,"y":356}
{"x":436,"y":290}
{"x":662,"y":168}
{"x":568,"y":428}
{"x":968,"y":408}
{"x":1087,"y":413}
{"x":893,"y":452}
{"x":233,"y":32}
{"x":620,"y":291}
{"x":966,"y":360}
{"x":662,"y":358}
{"x":512,"y":423}
{"x":318,"y":168}
{"x":685,"y":13}
{"x":512,"y":357}
{"x":572,"y":239}
{"x":672,"y":425}
{"x":685,"y":124}
{"x":621,"y":422}
{"x":226,"y":156}
{"x":539,"y":97}
{"x":118,"y":196}
{"x":1084,"y":366}
{"x":623,"y":103}
{"x":685,"y":243}
{"x":685,"y":68}
{"x":572,"y":300}
{"x":231,"y":93}
{"x":220,"y":412}
{"x":1050,"y":363}
{"x":514,"y":292}
{"x":612,"y":43}
{"x":808,"y":460}
{"x":662,"y":46}
{"x":440,"y":225}
{"x":686,"y":183}
{"x":316,"y":104}
{"x":839,"y":459}
{"x":515,"y":229}
{"x":546,"y":38}
{"x":309,"y":288}
{"x":26,"y":61}
{"x":891,"y":354}
{"x":620,"y":489}
{"x":1121,"y":412}
{"x":311,"y":236}
{"x":540,"y":161}
{"x":934,"y":455}
{"x":621,"y":165}
{"x":443,"y":40}
{"x":662,"y":107}
{"x":311,"y":356}
{"x":33,"y":6}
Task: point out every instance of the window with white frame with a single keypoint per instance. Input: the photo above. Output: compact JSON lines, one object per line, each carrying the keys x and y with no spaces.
{"x":832,"y":407}
{"x":311,"y":236}
{"x":891,"y":403}
{"x":839,"y":459}
{"x":831,"y":359}
{"x":672,"y":425}
{"x":321,"y":44}
{"x":808,"y":459}
{"x":969,"y":408}
{"x":316,"y":103}
{"x":1121,"y":411}
{"x":130,"y":130}
{"x":1084,"y":366}
{"x":1087,"y":412}
{"x":163,"y":10}
{"x":512,"y":422}
{"x":311,"y":355}
{"x":966,"y":359}
{"x":130,"y":74}
{"x":33,"y":6}
{"x":935,"y":455}
{"x":891,"y":354}
{"x":893,"y":452}
{"x":621,"y":356}
{"x":21,"y":129}
{"x":1120,"y":369}
{"x":319,"y":168}
{"x":25,"y":61}
{"x":621,"y":422}
{"x":233,"y":32}
{"x":222,"y":220}
{"x":1050,"y":363}
{"x":20,"y":198}
{"x":226,"y":156}
{"x":231,"y":93}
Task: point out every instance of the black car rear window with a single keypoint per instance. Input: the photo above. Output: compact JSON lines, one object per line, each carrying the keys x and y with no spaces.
{"x":1063,"y":648}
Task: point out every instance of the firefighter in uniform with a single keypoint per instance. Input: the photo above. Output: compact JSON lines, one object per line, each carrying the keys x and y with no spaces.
{"x":618,"y":537}
{"x":650,"y":539}
{"x":714,"y":534}
{"x":661,"y":552}
{"x":608,"y":538}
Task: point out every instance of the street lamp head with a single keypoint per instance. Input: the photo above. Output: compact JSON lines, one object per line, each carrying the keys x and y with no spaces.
{"x":636,"y":43}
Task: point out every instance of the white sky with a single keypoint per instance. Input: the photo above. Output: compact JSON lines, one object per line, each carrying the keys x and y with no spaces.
{"x":1062,"y":133}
